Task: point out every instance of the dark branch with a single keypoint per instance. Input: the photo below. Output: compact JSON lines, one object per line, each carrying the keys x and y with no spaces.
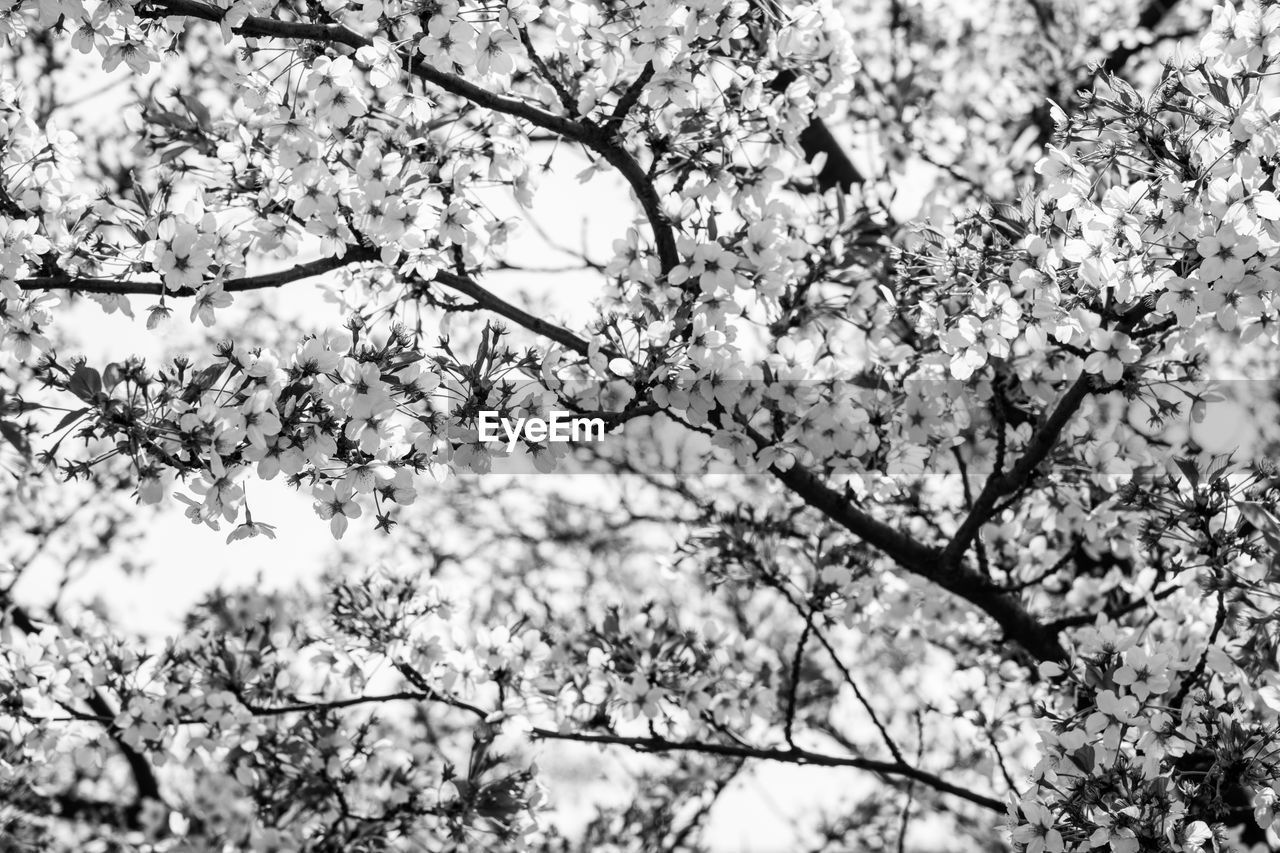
{"x":790,"y":756}
{"x":838,"y":170}
{"x":922,"y":560}
{"x":1001,"y":484}
{"x":629,"y":97}
{"x":1152,"y":14}
{"x":156,"y":288}
{"x":1150,"y":17}
{"x":1007,"y":610}
{"x":355,"y":255}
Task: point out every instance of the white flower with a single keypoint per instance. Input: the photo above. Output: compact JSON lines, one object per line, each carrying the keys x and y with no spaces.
{"x":335,"y":504}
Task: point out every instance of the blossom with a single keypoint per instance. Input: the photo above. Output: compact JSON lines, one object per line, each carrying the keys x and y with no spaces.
{"x":136,"y":54}
{"x":336,"y":98}
{"x":494,"y":52}
{"x":207,"y":300}
{"x":363,"y":394}
{"x":1064,"y":177}
{"x":1112,"y":710}
{"x":182,"y":254}
{"x":400,"y":489}
{"x":1264,"y":800}
{"x":383,"y":62}
{"x":1224,"y":253}
{"x":260,"y":420}
{"x":1037,"y":831}
{"x":1108,"y":468}
{"x":336,"y":505}
{"x":250,"y":528}
{"x":315,"y":357}
{"x":1145,"y":675}
{"x":1112,"y":352}
{"x":221,"y":492}
{"x":449,"y":40}
{"x":367,"y":476}
{"x":1182,"y":299}
{"x":713,"y":267}
{"x":1195,"y":836}
{"x":967,"y":340}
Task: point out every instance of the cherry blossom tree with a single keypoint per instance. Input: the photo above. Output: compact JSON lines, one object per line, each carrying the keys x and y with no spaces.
{"x":909,"y":358}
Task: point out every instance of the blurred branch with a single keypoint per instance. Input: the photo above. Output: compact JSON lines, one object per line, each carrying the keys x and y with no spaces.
{"x":1151,"y":16}
{"x":144,"y":778}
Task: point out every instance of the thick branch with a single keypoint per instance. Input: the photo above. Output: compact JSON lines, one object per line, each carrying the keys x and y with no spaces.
{"x":838,"y":170}
{"x":631,"y":95}
{"x":354,"y":255}
{"x":905,"y":550}
{"x":1006,"y":483}
{"x":123,"y":287}
{"x":792,"y":756}
{"x":664,"y":237}
{"x":1006,"y":610}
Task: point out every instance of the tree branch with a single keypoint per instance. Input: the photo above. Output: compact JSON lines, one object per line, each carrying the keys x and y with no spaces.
{"x":355,"y":255}
{"x":1001,"y":484}
{"x":808,"y":614}
{"x":519,"y":316}
{"x":791,"y":756}
{"x":629,"y":97}
{"x":1148,"y":19}
{"x":838,"y":170}
{"x":1006,"y":610}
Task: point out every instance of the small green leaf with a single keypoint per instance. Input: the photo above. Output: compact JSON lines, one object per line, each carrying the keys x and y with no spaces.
{"x":1189,"y":470}
{"x":111,"y":376}
{"x":15,"y":436}
{"x":1266,"y":523}
{"x":68,"y":419}
{"x":85,"y":383}
{"x":201,"y":382}
{"x":197,"y":109}
{"x":174,"y":151}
